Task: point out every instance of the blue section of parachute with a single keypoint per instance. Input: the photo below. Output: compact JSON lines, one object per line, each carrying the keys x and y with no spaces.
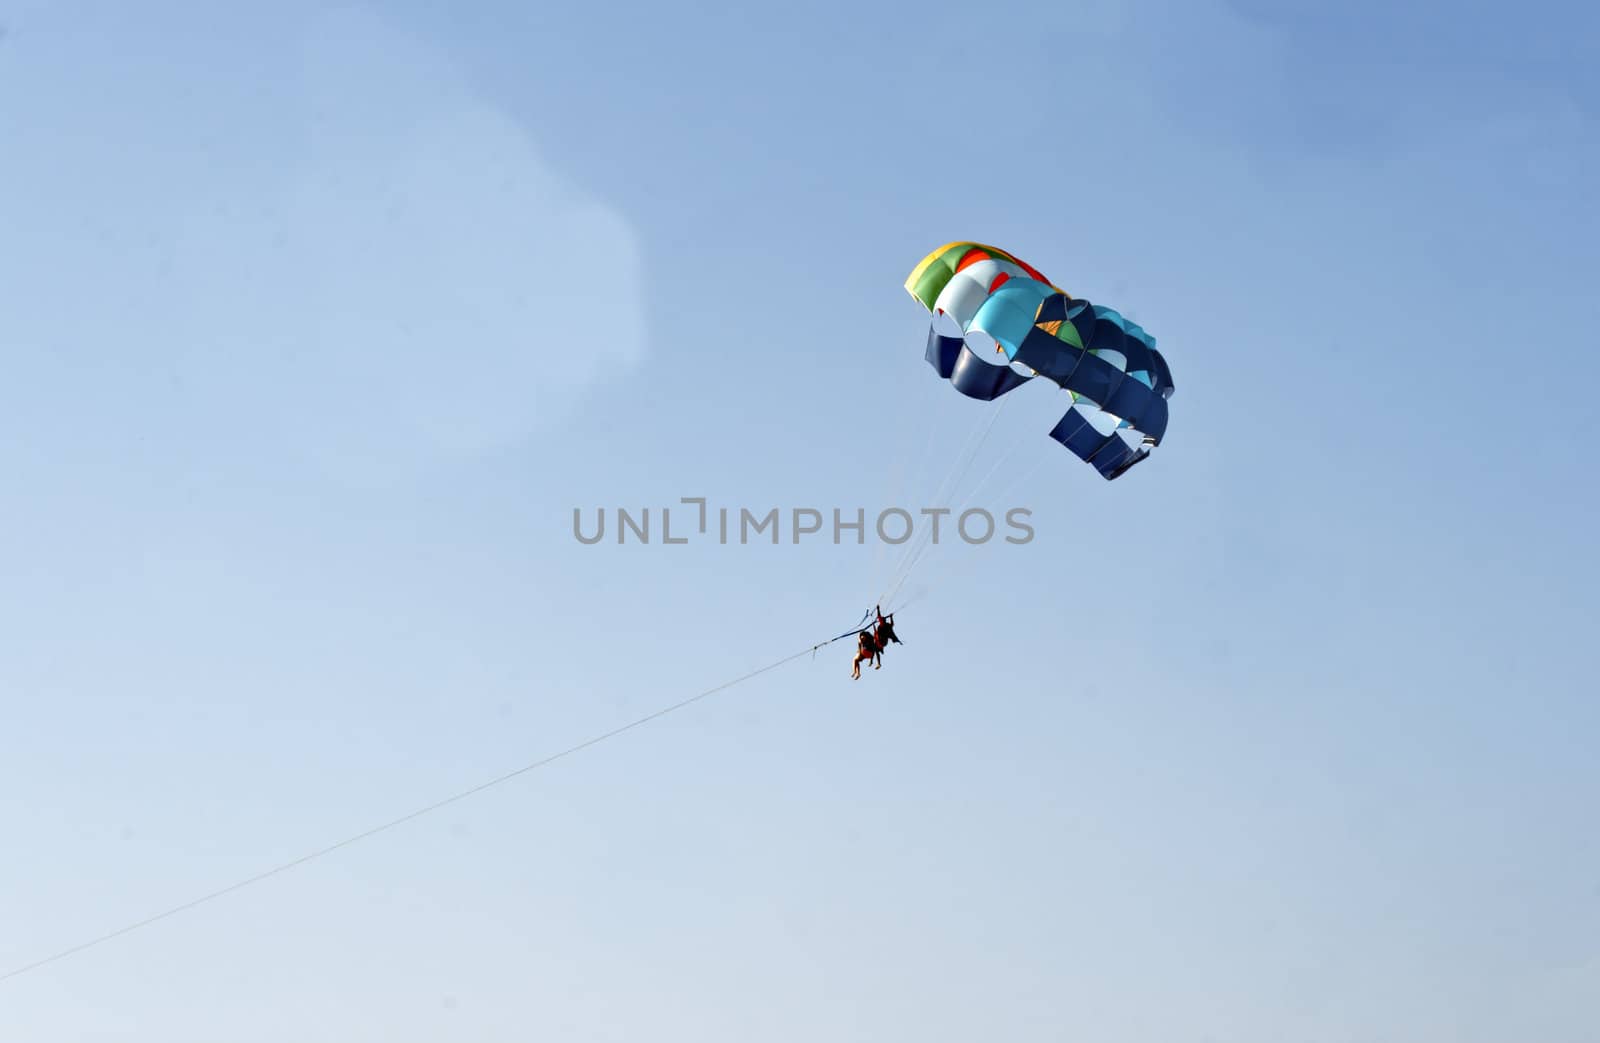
{"x":1119,"y":380}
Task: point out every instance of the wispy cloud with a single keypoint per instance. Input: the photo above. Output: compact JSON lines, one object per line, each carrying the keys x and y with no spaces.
{"x":321,"y":231}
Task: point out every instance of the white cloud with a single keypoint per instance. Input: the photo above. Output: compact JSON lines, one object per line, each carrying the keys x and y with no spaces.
{"x":315,"y":228}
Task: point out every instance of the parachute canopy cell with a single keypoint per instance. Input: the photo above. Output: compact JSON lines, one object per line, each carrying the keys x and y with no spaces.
{"x":997,"y":323}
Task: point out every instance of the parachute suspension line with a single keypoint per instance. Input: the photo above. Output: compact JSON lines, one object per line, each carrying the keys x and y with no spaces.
{"x":978,"y":421}
{"x":947,"y":491}
{"x":922,"y":555}
{"x":880,"y":551}
{"x":970,"y":499}
{"x":1010,"y":487}
{"x":412,"y":815}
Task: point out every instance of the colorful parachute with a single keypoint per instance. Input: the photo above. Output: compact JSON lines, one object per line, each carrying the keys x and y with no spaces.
{"x":986,"y":303}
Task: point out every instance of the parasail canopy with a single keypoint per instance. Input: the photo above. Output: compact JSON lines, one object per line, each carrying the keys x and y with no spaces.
{"x":997,"y":323}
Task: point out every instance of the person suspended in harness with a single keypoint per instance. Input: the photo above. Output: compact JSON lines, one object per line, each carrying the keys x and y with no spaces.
{"x":884,"y":631}
{"x":871,"y":643}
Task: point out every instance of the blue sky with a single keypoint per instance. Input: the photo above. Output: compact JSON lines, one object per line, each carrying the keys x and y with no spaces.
{"x":318,"y":322}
